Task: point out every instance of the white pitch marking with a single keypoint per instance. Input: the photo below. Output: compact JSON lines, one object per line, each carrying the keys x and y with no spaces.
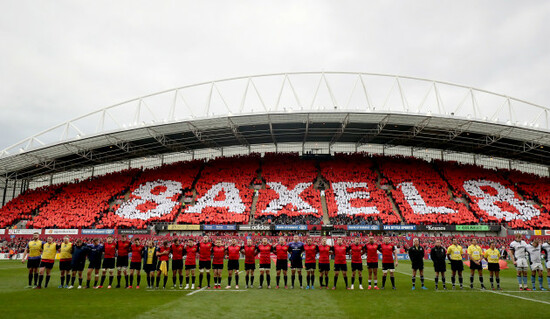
{"x":495,"y":292}
{"x":194,"y":292}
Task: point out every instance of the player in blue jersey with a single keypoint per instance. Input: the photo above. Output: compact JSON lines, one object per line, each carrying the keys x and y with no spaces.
{"x":296,"y":248}
{"x":95,"y":250}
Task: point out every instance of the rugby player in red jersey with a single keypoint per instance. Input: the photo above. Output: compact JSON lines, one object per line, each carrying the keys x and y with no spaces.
{"x":233,"y":255}
{"x":163,"y":266}
{"x":190,"y":263}
{"x":177,"y":250}
{"x":218,"y":252}
{"x":135,"y":262}
{"x":281,"y":250}
{"x":324,"y":262}
{"x":250,"y":251}
{"x":357,"y":250}
{"x":108,"y":261}
{"x":123,"y":249}
{"x":310,"y":251}
{"x":205,"y":260}
{"x":372,"y":262}
{"x":340,"y":262}
{"x":389,"y":261}
{"x":265,"y":250}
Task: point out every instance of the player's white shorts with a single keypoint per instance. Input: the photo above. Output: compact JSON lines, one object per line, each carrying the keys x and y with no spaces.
{"x":548,"y":264}
{"x":521,"y":263}
{"x":536,"y":266}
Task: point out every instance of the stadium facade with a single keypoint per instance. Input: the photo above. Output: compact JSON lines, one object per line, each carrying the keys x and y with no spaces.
{"x":312,"y":113}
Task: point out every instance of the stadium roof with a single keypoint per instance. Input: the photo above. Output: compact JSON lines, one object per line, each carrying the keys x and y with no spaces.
{"x":304,"y":107}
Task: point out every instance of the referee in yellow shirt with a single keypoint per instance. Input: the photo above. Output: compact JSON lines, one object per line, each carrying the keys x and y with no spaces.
{"x":492,"y":255}
{"x":454,"y":253}
{"x":475,"y":253}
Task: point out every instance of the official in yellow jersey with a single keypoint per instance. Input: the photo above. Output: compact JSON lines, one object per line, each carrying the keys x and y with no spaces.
{"x":492,"y":255}
{"x":475,"y":253}
{"x":65,"y":258}
{"x":32,"y":254}
{"x":49,"y":250}
{"x":454,"y":253}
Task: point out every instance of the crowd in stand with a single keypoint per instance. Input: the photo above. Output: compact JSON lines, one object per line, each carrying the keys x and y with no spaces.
{"x":358,"y":190}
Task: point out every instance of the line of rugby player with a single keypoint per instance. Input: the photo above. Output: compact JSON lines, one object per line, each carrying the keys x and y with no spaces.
{"x":154,"y":261}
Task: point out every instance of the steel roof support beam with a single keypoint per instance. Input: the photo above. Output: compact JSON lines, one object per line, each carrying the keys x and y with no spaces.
{"x":271,"y":131}
{"x":372,"y":134}
{"x":340,"y":131}
{"x":237,"y":133}
{"x":198,"y":134}
{"x":166,"y":142}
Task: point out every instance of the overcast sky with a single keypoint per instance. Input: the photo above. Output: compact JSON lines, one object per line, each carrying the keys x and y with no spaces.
{"x":61,"y":59}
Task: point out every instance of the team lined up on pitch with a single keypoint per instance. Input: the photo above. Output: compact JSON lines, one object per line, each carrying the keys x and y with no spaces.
{"x":130,"y":258}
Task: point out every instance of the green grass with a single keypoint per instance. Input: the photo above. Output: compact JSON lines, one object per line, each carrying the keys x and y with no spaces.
{"x":18,"y":302}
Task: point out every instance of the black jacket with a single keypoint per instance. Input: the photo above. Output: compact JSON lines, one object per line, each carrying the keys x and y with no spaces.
{"x":416,"y":254}
{"x":438,"y":254}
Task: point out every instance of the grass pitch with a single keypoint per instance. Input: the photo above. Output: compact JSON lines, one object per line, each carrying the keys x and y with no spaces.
{"x":18,"y":302}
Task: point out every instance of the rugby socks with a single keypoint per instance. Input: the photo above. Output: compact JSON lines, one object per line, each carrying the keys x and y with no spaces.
{"x":352,"y":280}
{"x":376,"y":283}
{"x":138,"y":280}
{"x":72,"y":280}
{"x":246,"y":279}
{"x":174,"y":280}
{"x":414,"y":280}
{"x":80,"y":281}
{"x":460,"y":281}
{"x":335,"y":280}
{"x":525,"y":280}
{"x":443,"y":281}
{"x":158,"y":281}
{"x":181,"y":279}
{"x":148,"y":280}
{"x":383,"y":281}
{"x":47,"y":281}
{"x":321,"y":281}
{"x":200,"y":279}
{"x":278,"y":279}
{"x":126,"y":280}
{"x":68,"y":279}
{"x":307,"y":279}
{"x":208,"y":279}
{"x":193,"y":280}
{"x":370,"y":282}
{"x":102,"y":280}
{"x":165,"y":281}
{"x":118,"y":279}
{"x":268,"y":279}
{"x":491,"y":281}
{"x":422,"y":280}
{"x":286,"y":279}
{"x":346,"y":281}
{"x":453,"y":280}
{"x":519,"y":281}
{"x":111,"y":280}
{"x":540,"y":281}
{"x":261,"y":280}
{"x":62,"y":281}
{"x":252,"y":280}
{"x":436,"y":282}
{"x":131,"y":280}
{"x":301,"y":280}
{"x":533,"y":282}
{"x":229,"y":280}
{"x":498,"y":282}
{"x":30,"y":279}
{"x":361,"y":280}
{"x":237,"y":278}
{"x":326,"y":279}
{"x":481,"y":281}
{"x":35,"y":276}
{"x":293,"y":278}
{"x":88,"y":283}
{"x":40,"y":279}
{"x":392,"y":279}
{"x":548,"y":280}
{"x":471,"y":281}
